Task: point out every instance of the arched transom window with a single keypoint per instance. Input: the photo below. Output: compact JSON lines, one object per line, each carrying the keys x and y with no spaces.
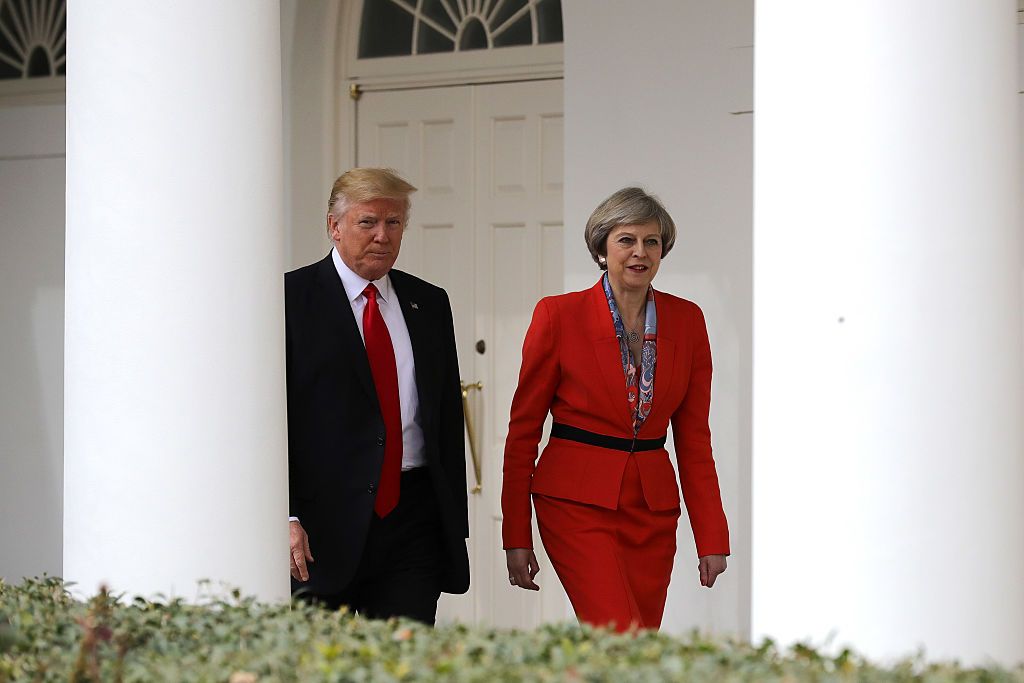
{"x":393,"y":28}
{"x":32,"y":38}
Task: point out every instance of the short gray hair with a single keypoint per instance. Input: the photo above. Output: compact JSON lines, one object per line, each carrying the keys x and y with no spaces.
{"x":628,"y":206}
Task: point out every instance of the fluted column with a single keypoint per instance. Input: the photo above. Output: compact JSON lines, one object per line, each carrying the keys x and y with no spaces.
{"x":888,"y":477}
{"x":175,"y":460}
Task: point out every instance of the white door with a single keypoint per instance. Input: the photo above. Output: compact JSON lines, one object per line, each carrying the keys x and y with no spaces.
{"x":487,"y":226}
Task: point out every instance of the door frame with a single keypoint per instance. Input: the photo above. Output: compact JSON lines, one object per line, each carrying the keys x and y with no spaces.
{"x":349,"y":76}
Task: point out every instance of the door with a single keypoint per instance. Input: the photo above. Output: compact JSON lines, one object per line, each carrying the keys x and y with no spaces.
{"x":486,"y":225}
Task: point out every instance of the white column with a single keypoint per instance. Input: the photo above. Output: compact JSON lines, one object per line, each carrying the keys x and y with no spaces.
{"x":175,"y":449}
{"x":888,"y":481}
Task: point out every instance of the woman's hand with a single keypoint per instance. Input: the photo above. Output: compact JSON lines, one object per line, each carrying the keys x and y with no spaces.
{"x":522,"y":567}
{"x":710,"y":567}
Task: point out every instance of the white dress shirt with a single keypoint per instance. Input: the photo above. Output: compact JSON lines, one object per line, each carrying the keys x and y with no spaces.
{"x":391,"y":311}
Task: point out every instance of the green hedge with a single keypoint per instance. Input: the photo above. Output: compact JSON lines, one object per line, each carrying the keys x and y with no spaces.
{"x":45,"y":635}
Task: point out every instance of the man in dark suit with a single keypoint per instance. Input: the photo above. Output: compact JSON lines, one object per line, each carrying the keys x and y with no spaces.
{"x":376,"y":457}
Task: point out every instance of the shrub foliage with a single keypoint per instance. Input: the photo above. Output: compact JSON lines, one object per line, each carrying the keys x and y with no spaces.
{"x":46,"y":635}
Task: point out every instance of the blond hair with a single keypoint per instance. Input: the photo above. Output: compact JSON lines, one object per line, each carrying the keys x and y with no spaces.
{"x":366,"y":184}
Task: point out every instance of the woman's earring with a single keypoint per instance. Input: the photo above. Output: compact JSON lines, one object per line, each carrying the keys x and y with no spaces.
{"x":602,"y":260}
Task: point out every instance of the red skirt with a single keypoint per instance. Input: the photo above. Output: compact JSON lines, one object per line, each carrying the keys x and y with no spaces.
{"x":615,"y":565}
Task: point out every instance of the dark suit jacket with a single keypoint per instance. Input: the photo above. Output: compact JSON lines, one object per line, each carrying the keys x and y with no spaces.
{"x":335,"y":428}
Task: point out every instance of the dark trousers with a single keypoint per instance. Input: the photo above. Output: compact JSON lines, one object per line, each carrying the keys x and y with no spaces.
{"x":399,"y":574}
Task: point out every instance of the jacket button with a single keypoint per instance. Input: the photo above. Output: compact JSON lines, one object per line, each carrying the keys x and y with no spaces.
{"x":371,"y":488}
{"x":380,"y":440}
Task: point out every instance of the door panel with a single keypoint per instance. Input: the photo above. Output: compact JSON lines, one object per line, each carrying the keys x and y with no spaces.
{"x":426,"y":135}
{"x":519,"y":234}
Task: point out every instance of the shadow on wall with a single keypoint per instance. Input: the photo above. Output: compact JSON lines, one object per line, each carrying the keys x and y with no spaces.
{"x":31,"y":365}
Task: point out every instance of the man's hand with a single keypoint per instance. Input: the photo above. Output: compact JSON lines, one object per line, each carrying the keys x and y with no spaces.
{"x":522,"y":567}
{"x":710,"y":567}
{"x":299,"y":551}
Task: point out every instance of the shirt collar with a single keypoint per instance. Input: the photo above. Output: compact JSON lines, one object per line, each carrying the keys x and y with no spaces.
{"x":355,"y":284}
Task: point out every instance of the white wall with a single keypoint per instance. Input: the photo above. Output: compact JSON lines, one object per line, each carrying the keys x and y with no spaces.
{"x":649,"y":99}
{"x":312,"y":140}
{"x":31,"y":339}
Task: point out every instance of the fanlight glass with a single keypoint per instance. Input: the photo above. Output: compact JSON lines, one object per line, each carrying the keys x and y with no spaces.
{"x":397,"y":28}
{"x":32,"y":38}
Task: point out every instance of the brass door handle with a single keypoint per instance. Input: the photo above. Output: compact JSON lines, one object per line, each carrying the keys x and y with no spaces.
{"x":466,"y":388}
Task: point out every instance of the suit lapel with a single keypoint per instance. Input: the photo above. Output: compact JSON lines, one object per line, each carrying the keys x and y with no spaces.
{"x":607,"y":356}
{"x":421,"y":335}
{"x":341,"y":323}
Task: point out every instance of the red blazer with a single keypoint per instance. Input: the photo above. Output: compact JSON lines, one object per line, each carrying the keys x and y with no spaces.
{"x":572,"y":367}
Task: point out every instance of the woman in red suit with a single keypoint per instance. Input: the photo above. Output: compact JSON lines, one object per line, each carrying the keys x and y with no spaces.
{"x":614,"y":365}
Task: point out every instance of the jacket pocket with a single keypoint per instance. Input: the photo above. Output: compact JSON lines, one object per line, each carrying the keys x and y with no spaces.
{"x":585,"y":474}
{"x":658,"y":479}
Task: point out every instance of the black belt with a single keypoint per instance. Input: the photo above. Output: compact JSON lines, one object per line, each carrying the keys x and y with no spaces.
{"x":561,"y":431}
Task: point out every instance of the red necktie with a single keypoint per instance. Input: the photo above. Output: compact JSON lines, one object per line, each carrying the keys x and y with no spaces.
{"x":381,"y":354}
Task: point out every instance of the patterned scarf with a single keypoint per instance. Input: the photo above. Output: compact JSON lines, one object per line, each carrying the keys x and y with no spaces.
{"x":639,"y":385}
